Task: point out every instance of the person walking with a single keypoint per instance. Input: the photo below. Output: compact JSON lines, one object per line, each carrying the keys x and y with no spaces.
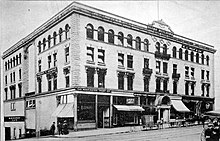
{"x":52,"y":128}
{"x":215,"y":132}
{"x":59,"y":128}
{"x":208,"y":132}
{"x":65,"y":128}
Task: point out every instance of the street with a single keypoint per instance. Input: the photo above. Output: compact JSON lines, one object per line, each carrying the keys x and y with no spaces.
{"x":171,"y":134}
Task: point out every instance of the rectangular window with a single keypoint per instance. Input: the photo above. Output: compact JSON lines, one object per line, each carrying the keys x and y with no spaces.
{"x":164,"y":67}
{"x":130,"y":61}
{"x":67,"y":55}
{"x":165,"y":85}
{"x":121,"y":80}
{"x":192,"y":72}
{"x":11,"y":77}
{"x":207,"y":75}
{"x":6,"y":93}
{"x":39,"y":85}
{"x":20,"y":89}
{"x":174,"y":87}
{"x":12,"y":106}
{"x":192,"y":89}
{"x":101,"y":56}
{"x":146,"y":63}
{"x":157,"y":66}
{"x":203,"y":89}
{"x":120,"y":59}
{"x":186,"y":71}
{"x":186,"y":88}
{"x":174,"y":68}
{"x":14,"y":76}
{"x":90,"y":77}
{"x":146,"y":84}
{"x":130,"y":81}
{"x":158,"y":84}
{"x":19,"y":74}
{"x":90,"y":54}
{"x":55,"y":59}
{"x":39,"y":65}
{"x":49,"y":61}
{"x":202,"y":74}
{"x":55,"y":82}
{"x":101,"y":78}
{"x":6,"y":81}
{"x":67,"y":77}
{"x":49,"y":84}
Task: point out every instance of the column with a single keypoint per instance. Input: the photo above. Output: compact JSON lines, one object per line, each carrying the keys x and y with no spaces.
{"x":111,"y":111}
{"x":159,"y":114}
{"x":96,"y":110}
{"x":75,"y":112}
{"x":125,"y":82}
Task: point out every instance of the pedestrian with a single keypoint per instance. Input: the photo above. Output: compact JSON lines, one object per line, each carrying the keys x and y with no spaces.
{"x":208,"y":132}
{"x":59,"y":128}
{"x":215,"y":132}
{"x":52,"y":128}
{"x":65,"y":128}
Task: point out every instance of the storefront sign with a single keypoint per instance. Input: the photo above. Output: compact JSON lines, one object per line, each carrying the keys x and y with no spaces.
{"x":130,"y":101}
{"x":93,"y":90}
{"x":14,"y":119}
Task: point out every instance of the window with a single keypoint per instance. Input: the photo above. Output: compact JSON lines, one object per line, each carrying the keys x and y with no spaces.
{"x":6,"y":65}
{"x":11,"y":77}
{"x":186,"y":88}
{"x":129,"y":40}
{"x":157,"y":47}
{"x":6,"y":93}
{"x":67,"y":31}
{"x":101,"y":78}
{"x":180,"y":53}
{"x":174,"y":52}
{"x":146,"y":84}
{"x":67,"y":78}
{"x":207,"y":90}
{"x":14,"y":76}
{"x":6,"y":80}
{"x":111,"y":36}
{"x":44,"y":44}
{"x":146,"y":63}
{"x":19,"y":58}
{"x":207,"y":75}
{"x":146,"y":45}
{"x":120,"y":38}
{"x":164,"y":49}
{"x":192,"y":72}
{"x":55,"y":82}
{"x":164,"y":67}
{"x":121,"y":80}
{"x":13,"y":90}
{"x":202,"y":74}
{"x":120,"y":59}
{"x":138,"y":43}
{"x":130,"y":81}
{"x":19,"y":74}
{"x":89,"y":31}
{"x":186,"y":71}
{"x":202,"y":58}
{"x":158,"y":83}
{"x":55,"y":59}
{"x":11,"y":63}
{"x":67,"y":55}
{"x":49,"y":79}
{"x":192,"y":89}
{"x":192,"y":56}
{"x":39,"y":65}
{"x":186,"y":55}
{"x":207,"y":60}
{"x":165,"y":85}
{"x":39,"y":47}
{"x":20,"y":89}
{"x":157,"y":66}
{"x":197,"y":57}
{"x":49,"y":61}
{"x":90,"y":76}
{"x":39,"y":81}
{"x":90,"y":54}
{"x":49,"y":41}
{"x":54,"y":38}
{"x":203,"y":89}
{"x":101,"y":56}
{"x":130,"y":61}
{"x":174,"y":87}
{"x":13,"y":109}
{"x":101,"y":33}
{"x":30,"y":103}
{"x":60,"y":34}
{"x":174,"y":68}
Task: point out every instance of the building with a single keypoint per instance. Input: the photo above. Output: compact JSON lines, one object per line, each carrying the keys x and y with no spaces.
{"x":94,"y":69}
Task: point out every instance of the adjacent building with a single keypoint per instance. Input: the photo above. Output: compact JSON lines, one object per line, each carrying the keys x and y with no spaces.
{"x":94,"y":69}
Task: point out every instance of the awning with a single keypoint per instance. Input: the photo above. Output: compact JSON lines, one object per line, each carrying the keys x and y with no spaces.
{"x":67,"y":111}
{"x":179,"y":106}
{"x":58,"y":110}
{"x":213,"y":113}
{"x":128,"y":108}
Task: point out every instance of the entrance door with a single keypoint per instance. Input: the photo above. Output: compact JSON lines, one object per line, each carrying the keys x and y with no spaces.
{"x":7,"y":133}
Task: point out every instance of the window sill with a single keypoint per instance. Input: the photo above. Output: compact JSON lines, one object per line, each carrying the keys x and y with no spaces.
{"x":90,"y":62}
{"x":130,"y":69}
{"x":67,"y":63}
{"x":101,"y":64}
{"x":13,"y":109}
{"x":121,"y":67}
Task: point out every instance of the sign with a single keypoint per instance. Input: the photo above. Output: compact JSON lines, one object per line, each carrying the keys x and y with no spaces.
{"x":93,"y":90}
{"x":14,"y":119}
{"x":130,"y":101}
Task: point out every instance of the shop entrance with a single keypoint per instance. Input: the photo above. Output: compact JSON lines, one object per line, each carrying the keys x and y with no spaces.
{"x":103,"y":111}
{"x":7,"y":133}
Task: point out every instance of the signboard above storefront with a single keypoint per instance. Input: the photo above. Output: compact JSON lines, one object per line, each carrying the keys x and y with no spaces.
{"x":14,"y":119}
{"x":130,"y":100}
{"x":92,"y":89}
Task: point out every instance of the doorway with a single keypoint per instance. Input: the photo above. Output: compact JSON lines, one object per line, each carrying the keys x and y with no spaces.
{"x":7,"y":133}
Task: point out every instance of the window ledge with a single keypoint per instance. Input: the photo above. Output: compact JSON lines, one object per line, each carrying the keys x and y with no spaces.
{"x":121,"y":67}
{"x":101,"y":64}
{"x":67,"y":63}
{"x":130,"y":69}
{"x":90,"y":62}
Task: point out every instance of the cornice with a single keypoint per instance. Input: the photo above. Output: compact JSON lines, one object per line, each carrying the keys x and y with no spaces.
{"x":79,"y":8}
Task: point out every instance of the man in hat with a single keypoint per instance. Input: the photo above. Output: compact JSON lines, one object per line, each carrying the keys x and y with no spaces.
{"x":208,"y":132}
{"x":52,"y":128}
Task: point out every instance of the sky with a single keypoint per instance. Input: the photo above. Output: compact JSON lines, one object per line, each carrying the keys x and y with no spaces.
{"x":198,"y":20}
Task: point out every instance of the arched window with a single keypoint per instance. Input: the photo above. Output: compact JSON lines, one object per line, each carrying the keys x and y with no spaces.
{"x":186,"y":54}
{"x":197,"y":57}
{"x":67,"y":31}
{"x":89,"y":31}
{"x":39,"y":47}
{"x":129,"y":40}
{"x":120,"y":38}
{"x":44,"y":44}
{"x":6,"y":65}
{"x":146,"y":45}
{"x":54,"y":38}
{"x":157,"y":47}
{"x":202,"y":58}
{"x":49,"y":41}
{"x":60,"y":34}
{"x":164,"y":49}
{"x":174,"y":52}
{"x":207,"y":60}
{"x":180,"y":53}
{"x":192,"y":56}
{"x":111,"y":36}
{"x":138,"y":43}
{"x":101,"y":34}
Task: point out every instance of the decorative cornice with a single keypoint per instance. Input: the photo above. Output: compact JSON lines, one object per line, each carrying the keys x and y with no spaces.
{"x":82,"y":9}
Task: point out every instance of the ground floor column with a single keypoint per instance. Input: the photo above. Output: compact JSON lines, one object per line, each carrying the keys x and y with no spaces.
{"x":75,"y":112}
{"x":111,"y":111}
{"x":96,"y":110}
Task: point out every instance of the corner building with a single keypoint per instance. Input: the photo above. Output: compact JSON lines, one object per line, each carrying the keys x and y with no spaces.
{"x":94,"y":69}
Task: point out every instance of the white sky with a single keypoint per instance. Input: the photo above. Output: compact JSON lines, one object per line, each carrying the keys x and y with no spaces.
{"x":198,"y":20}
